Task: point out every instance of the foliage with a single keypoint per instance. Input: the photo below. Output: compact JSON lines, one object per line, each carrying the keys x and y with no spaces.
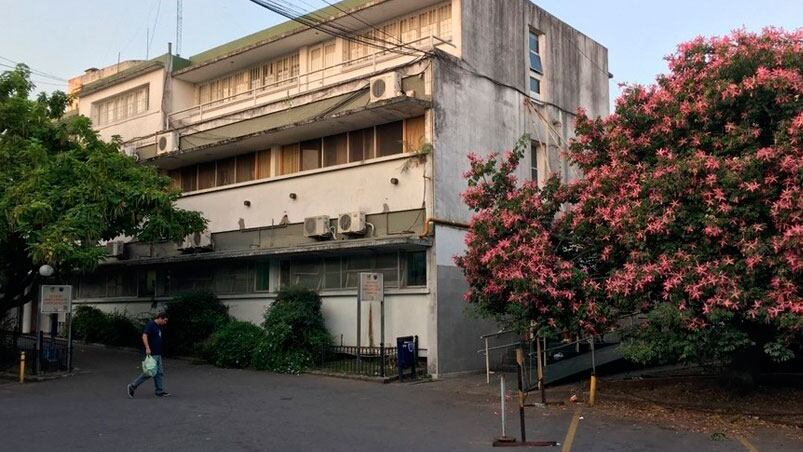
{"x":63,"y":190}
{"x":690,"y":210}
{"x":192,"y":318}
{"x":522,"y":270}
{"x":233,"y":344}
{"x":117,"y":329}
{"x":296,"y":332}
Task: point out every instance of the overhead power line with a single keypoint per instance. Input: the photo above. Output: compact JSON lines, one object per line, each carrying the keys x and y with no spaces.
{"x":33,"y":70}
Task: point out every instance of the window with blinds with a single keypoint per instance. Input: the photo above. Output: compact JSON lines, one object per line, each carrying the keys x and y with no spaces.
{"x":121,"y":106}
{"x":436,"y":21}
{"x":265,"y":76}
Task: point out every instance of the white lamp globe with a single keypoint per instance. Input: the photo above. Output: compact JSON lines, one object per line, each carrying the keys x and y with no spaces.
{"x":46,"y":270}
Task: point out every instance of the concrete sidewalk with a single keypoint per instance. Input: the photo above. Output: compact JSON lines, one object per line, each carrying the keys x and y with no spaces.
{"x":243,"y":410}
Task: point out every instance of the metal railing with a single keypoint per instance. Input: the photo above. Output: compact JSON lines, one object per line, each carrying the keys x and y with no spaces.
{"x":48,"y":354}
{"x":303,"y":82}
{"x":369,"y":362}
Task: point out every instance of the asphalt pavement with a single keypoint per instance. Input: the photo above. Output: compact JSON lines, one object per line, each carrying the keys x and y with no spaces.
{"x":214,"y":409}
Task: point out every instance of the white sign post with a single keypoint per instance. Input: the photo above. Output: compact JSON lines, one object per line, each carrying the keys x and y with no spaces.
{"x":371,"y":289}
{"x":56,"y":299}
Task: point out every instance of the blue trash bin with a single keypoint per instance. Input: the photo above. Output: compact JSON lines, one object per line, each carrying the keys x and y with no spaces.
{"x":406,"y":354}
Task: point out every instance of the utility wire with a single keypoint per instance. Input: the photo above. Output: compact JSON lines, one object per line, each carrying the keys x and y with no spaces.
{"x":33,"y":71}
{"x":155,"y":22}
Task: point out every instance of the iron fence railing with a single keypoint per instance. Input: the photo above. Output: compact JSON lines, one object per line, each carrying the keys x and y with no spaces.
{"x":369,"y":362}
{"x":52,"y":354}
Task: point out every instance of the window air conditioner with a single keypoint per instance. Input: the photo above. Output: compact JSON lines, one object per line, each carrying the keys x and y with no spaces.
{"x":317,"y":226}
{"x":352,"y":223}
{"x":166,"y":142}
{"x":115,"y":249}
{"x":385,"y":86}
{"x":197,"y":241}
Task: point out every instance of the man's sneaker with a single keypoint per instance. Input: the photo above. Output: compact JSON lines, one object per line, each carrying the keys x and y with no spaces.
{"x":130,"y":389}
{"x":162,"y":394}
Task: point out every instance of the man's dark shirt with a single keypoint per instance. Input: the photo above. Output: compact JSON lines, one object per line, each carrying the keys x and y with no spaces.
{"x":154,"y":337}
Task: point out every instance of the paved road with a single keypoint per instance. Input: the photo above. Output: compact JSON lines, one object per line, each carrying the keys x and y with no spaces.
{"x":232,"y":410}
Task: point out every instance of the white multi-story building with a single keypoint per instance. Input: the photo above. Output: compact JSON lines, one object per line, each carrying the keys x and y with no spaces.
{"x":315,"y":156}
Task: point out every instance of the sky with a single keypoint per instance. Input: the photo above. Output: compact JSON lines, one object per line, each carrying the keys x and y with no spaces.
{"x":61,"y":38}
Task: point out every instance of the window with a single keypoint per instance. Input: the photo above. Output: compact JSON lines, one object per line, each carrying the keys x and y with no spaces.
{"x":389,"y":139}
{"x":416,"y":268}
{"x":361,"y":144}
{"x":335,"y":150}
{"x":206,"y":175}
{"x":121,"y":106}
{"x":536,"y":154}
{"x":263,"y":164}
{"x":399,"y":269}
{"x":536,"y":66}
{"x":233,"y":278}
{"x":310,"y":155}
{"x":225,"y":171}
{"x":414,"y":131}
{"x":189,"y":176}
{"x":246,"y":165}
{"x":290,"y":159}
{"x":436,"y":21}
{"x":269,"y":75}
{"x":262,"y":276}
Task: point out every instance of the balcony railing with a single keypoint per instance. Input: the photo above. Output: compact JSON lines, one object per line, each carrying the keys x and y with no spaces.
{"x":263,"y":95}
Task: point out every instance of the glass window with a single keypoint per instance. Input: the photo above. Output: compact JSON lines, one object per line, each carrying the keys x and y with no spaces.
{"x":535,"y":87}
{"x":361,"y":144}
{"x":206,"y":175}
{"x":290,"y":159}
{"x":310,"y":155}
{"x":121,"y":106}
{"x":146,"y":283}
{"x":189,"y":178}
{"x":416,"y":268}
{"x":389,"y":138}
{"x":535,"y":53}
{"x":263,"y":164}
{"x":534,"y":147}
{"x":332,"y":273}
{"x":225,"y":171}
{"x":262,"y":276}
{"x":246,"y":165}
{"x":306,"y":273}
{"x":414,"y":133}
{"x":335,"y":150}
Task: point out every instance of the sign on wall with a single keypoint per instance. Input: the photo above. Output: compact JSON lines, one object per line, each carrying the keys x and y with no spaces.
{"x":372,"y":287}
{"x":56,"y":299}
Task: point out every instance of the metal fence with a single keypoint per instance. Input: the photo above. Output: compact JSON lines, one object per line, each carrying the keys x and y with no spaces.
{"x":369,"y":362}
{"x":52,"y":355}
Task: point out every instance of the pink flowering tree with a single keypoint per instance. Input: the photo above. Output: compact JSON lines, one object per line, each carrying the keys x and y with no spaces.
{"x":690,"y":211}
{"x":523,"y":267}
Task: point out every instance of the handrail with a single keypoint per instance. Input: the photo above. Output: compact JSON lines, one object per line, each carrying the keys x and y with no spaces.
{"x":296,"y":81}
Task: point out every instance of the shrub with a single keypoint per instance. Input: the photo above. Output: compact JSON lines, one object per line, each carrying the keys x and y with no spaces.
{"x":295,"y":332}
{"x":233,"y":344}
{"x":192,"y":318}
{"x":93,"y":325}
{"x":89,"y":324}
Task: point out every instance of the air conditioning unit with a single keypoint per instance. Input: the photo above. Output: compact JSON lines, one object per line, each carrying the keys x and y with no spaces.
{"x":166,"y":142}
{"x":115,"y":249}
{"x":197,"y":241}
{"x":317,"y":226}
{"x":385,"y":86}
{"x":352,"y":223}
{"x":131,"y":151}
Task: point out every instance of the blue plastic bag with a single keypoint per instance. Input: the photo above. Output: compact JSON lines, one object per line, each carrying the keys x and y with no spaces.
{"x":149,"y":366}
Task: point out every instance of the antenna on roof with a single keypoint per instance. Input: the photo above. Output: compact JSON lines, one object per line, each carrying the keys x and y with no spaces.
{"x":179,"y":15}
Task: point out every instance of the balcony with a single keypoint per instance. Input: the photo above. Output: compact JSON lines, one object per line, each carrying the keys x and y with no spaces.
{"x":310,"y":82}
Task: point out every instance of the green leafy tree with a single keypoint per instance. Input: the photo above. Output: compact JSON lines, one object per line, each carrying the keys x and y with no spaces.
{"x":63,"y":190}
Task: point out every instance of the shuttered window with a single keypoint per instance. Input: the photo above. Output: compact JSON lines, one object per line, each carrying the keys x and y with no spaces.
{"x":121,"y":106}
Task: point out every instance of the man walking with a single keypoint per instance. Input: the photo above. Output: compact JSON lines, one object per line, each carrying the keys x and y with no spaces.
{"x":152,"y":339}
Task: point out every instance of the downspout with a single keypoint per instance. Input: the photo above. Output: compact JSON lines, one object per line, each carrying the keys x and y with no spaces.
{"x":427,"y":232}
{"x":167,"y":88}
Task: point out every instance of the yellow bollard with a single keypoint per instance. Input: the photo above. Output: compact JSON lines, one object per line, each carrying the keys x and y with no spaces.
{"x":592,"y":396}
{"x":22,"y":367}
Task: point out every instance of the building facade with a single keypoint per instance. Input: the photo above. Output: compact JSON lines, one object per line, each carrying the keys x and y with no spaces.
{"x":317,"y":155}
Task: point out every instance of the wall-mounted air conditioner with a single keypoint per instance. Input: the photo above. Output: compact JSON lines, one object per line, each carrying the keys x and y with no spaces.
{"x":317,"y":227}
{"x":131,"y":151}
{"x":115,"y":249}
{"x":197,"y":241}
{"x":385,"y":86}
{"x":352,"y":223}
{"x":166,"y":142}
